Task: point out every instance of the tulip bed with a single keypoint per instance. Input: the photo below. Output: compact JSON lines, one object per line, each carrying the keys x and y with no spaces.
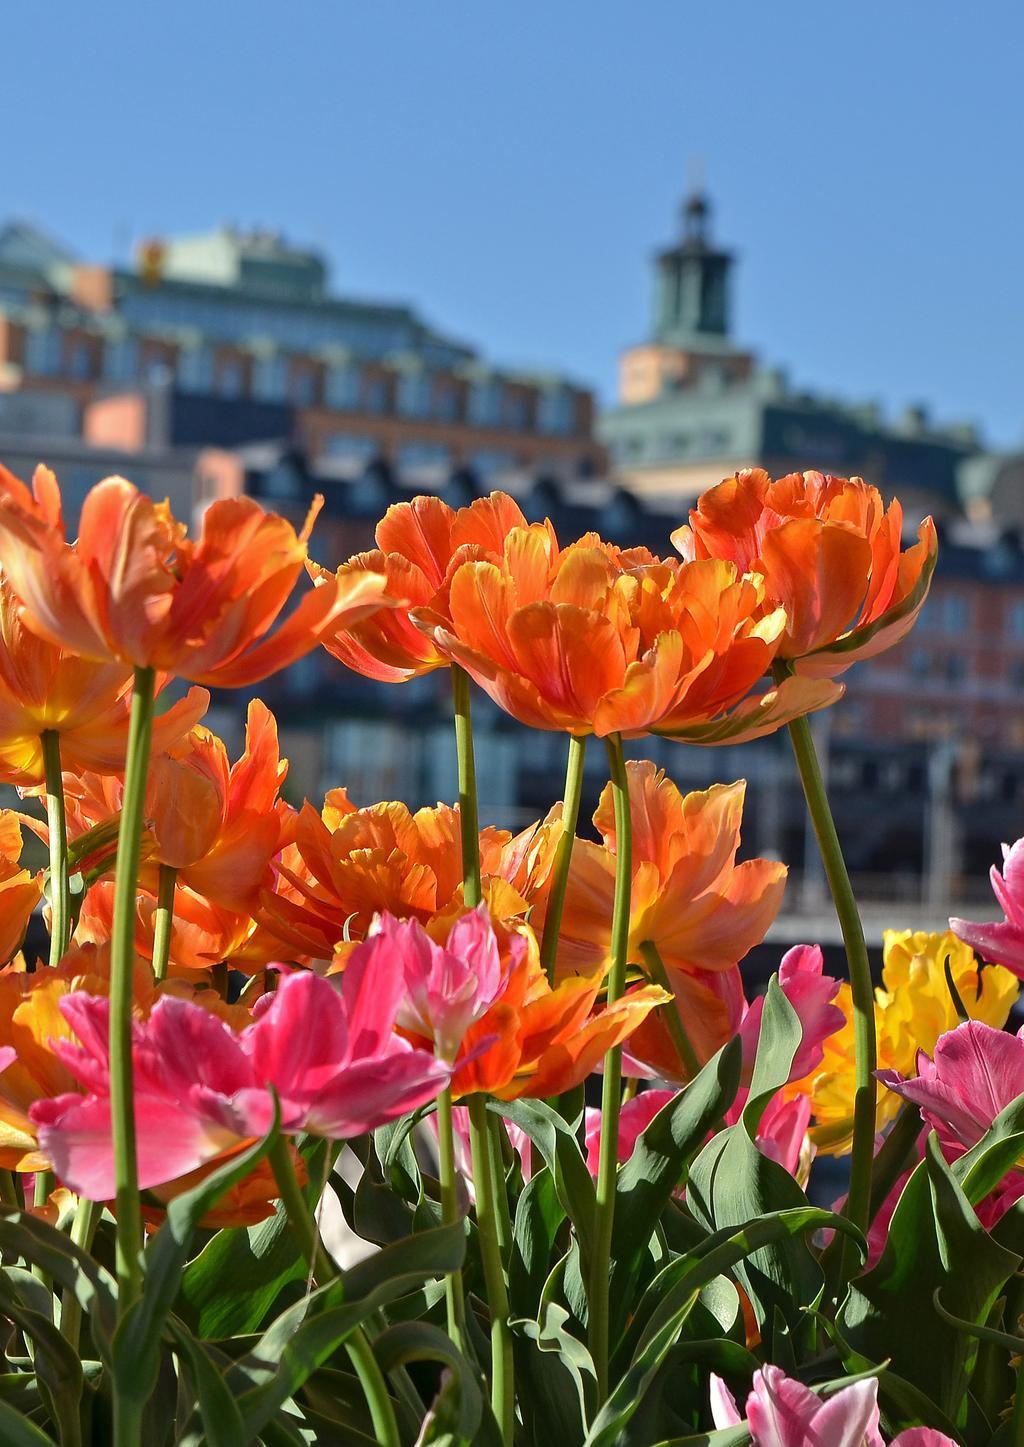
{"x":257,"y":1022}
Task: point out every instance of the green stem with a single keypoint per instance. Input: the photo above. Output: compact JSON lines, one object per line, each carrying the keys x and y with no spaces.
{"x":611,"y":1090}
{"x":563,"y":852}
{"x":503,"y":1398}
{"x":163,"y":918}
{"x":858,"y":1202}
{"x":670,"y":1013}
{"x":503,"y":1215}
{"x":44,"y":1184}
{"x":468,"y":820}
{"x":57,"y":829}
{"x":122,"y":969}
{"x":454,"y":1295}
{"x":301,"y":1220}
{"x":9,"y":1191}
{"x":83,"y":1228}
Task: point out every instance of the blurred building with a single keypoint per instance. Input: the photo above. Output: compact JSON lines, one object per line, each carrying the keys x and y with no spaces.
{"x":694,"y":406}
{"x":241,"y":325}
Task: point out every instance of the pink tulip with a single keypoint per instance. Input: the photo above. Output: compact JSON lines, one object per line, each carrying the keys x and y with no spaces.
{"x":976,"y":1071}
{"x":331,"y":1055}
{"x":782,"y":1412}
{"x":448,"y":987}
{"x":811,"y":992}
{"x":1001,"y":942}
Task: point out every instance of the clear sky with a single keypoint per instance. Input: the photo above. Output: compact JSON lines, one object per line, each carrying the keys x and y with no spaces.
{"x":509,"y":167}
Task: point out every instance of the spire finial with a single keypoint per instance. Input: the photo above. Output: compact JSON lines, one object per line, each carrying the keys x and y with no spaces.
{"x":696,"y":208}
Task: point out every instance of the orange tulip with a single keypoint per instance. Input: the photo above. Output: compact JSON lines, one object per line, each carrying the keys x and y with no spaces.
{"x":830,"y":554}
{"x":135,"y":589}
{"x":219,"y":825}
{"x":690,"y":898}
{"x":538,"y":1040}
{"x":356,"y":863}
{"x":20,"y":890}
{"x":594,"y":639}
{"x":43,"y":687}
{"x":418,"y":545}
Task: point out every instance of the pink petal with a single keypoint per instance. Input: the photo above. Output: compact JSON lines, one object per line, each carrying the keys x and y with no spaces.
{"x":301,"y":1039}
{"x":1000,"y":943}
{"x":923,"y":1437}
{"x":780,"y":1410}
{"x":724,"y":1411}
{"x":374,"y":1091}
{"x":190,"y":1047}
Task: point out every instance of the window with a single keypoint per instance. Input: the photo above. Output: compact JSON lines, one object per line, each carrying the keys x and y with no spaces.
{"x":956,"y":668}
{"x":195,"y":369}
{"x":485,"y":404}
{"x":517,"y":413}
{"x":80,"y":361}
{"x":351,"y":447}
{"x":375,"y":394}
{"x":920,"y":662}
{"x":270,"y":378}
{"x":956,"y":613}
{"x":121,"y":360}
{"x":424,"y":459}
{"x":446,"y":403}
{"x":229,"y":378}
{"x":413,"y":394}
{"x":42,"y":352}
{"x":1017,"y":621}
{"x":342,"y":388}
{"x":490,"y":462}
{"x":303,"y":389}
{"x":555,"y":411}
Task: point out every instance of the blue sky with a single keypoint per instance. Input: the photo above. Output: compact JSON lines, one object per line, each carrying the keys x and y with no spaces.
{"x":510,"y":167}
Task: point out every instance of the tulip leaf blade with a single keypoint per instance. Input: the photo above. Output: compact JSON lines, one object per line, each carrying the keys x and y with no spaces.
{"x":563,"y":1158}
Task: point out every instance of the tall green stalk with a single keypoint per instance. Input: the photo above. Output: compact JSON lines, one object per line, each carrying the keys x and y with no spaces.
{"x":468,"y":818}
{"x":83,"y":1228}
{"x":481,"y":1141}
{"x":122,"y":969}
{"x":858,"y":1200}
{"x":670,"y":1012}
{"x":455,"y":1298}
{"x":163,"y":918}
{"x":611,"y":1090}
{"x":57,"y":829}
{"x":563,"y":853}
{"x":503,"y":1395}
{"x":371,"y":1378}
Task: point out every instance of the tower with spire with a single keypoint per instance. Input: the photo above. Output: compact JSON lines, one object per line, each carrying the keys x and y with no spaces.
{"x":691,"y":293}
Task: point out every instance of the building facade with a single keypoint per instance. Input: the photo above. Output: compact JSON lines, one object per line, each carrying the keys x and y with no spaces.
{"x":694,"y":406}
{"x":245,"y":318}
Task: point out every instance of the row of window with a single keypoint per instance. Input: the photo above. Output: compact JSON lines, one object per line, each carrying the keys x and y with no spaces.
{"x":361,"y":449}
{"x":673,"y":446}
{"x":280,"y":378}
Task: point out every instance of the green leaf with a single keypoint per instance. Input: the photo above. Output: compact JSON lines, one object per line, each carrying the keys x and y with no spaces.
{"x":306,"y":1336}
{"x":558,"y":1382}
{"x":662,"y":1154}
{"x":723,"y":1253}
{"x":18,"y":1431}
{"x":222,"y":1421}
{"x":982,"y":1168}
{"x":563,"y":1158}
{"x":732,"y":1182}
{"x":239,"y":1274}
{"x":136,"y":1347}
{"x":68,"y":1265}
{"x":935,"y":1242}
{"x":539,"y":1214}
{"x":58,"y":1367}
{"x":417,"y":1341}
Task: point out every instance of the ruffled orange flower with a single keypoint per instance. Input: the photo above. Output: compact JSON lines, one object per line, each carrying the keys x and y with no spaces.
{"x":829,"y":551}
{"x":219,"y":825}
{"x":20,"y":889}
{"x":135,"y":589}
{"x":594,"y":639}
{"x":356,"y":863}
{"x":46,"y":688}
{"x":537,"y":1040}
{"x":690,"y":898}
{"x":418,"y":545}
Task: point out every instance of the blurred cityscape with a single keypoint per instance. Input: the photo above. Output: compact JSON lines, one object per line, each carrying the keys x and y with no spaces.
{"x":225,"y":363}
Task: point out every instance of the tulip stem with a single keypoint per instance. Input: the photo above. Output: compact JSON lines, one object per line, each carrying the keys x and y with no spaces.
{"x":670,"y":1012}
{"x":162,"y":920}
{"x":83,"y":1228}
{"x":563,"y":853}
{"x":122,"y":968}
{"x":57,"y":830}
{"x":858,"y":1202}
{"x":468,"y":821}
{"x":454,"y":1295}
{"x":503,"y":1397}
{"x":323,"y":1269}
{"x":611,"y":1090}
